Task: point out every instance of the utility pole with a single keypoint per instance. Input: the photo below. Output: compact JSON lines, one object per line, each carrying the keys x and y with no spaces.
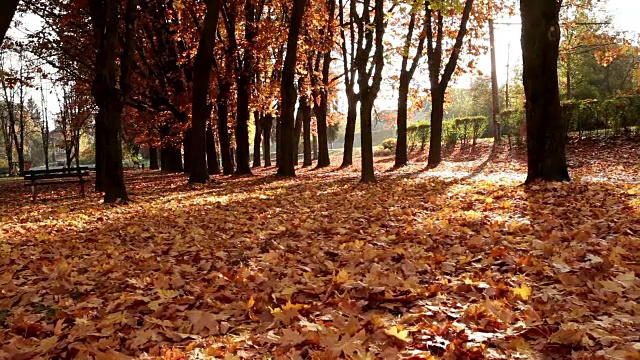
{"x":494,"y":85}
{"x":506,"y":85}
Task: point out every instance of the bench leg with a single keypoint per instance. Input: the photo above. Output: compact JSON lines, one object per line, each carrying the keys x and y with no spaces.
{"x":33,"y":191}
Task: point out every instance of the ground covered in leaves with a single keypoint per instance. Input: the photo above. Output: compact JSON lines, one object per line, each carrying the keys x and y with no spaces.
{"x":459,"y":262}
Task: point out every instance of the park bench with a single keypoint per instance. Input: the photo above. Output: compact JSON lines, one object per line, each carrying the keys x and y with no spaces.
{"x":69,"y":175}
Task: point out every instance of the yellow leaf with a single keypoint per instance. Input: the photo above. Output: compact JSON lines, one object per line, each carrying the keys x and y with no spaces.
{"x":524,"y":291}
{"x":397,"y":332}
{"x":342,"y":277}
{"x":251,"y":302}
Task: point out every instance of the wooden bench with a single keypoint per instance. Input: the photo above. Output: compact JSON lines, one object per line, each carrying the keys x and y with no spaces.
{"x":76,"y":175}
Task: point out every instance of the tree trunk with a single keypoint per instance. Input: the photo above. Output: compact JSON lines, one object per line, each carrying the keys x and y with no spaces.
{"x":7,"y":10}
{"x":401,"y":144}
{"x":314,"y":146}
{"x":435,"y":139}
{"x":186,"y":148}
{"x":495,"y":98}
{"x":266,"y":139}
{"x":349,"y":134}
{"x":200,"y":91}
{"x":212,"y":154}
{"x":153,"y":158}
{"x":110,"y":96}
{"x":323,"y":140}
{"x":546,"y":131}
{"x":100,"y":150}
{"x":366,"y":107}
{"x":297,"y":130}
{"x":286,"y":161}
{"x":171,"y":158}
{"x":257,"y":119}
{"x":306,"y":124}
{"x":242,"y":128}
{"x":223,"y":127}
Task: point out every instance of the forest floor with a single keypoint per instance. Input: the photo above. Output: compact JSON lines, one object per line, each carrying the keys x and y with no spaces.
{"x":459,"y":262}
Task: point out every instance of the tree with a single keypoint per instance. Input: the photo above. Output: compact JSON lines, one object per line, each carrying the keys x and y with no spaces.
{"x":286,"y":161}
{"x":439,"y":78}
{"x":7,"y":10}
{"x":321,"y":86}
{"x":406,"y":75}
{"x":201,"y":83}
{"x":546,"y":132}
{"x":370,"y":35}
{"x":110,"y":97}
{"x":348,"y":51}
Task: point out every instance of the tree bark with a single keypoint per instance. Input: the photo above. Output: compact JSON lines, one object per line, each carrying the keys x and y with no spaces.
{"x":495,"y":98}
{"x":314,"y":146}
{"x":244,"y":93}
{"x":186,"y":148}
{"x":223,"y":127}
{"x":546,"y":130}
{"x":366,"y":107}
{"x":100,"y":150}
{"x":212,"y":154}
{"x":266,"y":139}
{"x":171,"y":158}
{"x":201,"y":112}
{"x":257,"y":138}
{"x":437,"y":115}
{"x":402,"y":156}
{"x":7,"y":10}
{"x":286,"y":161}
{"x":153,"y":158}
{"x":350,"y":131}
{"x":108,"y":95}
{"x":306,"y":124}
{"x":297,"y":130}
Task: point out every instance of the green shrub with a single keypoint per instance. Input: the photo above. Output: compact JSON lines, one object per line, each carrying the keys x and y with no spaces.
{"x":449,"y":132}
{"x":418,"y":133}
{"x":389,"y":144}
{"x":612,"y":115}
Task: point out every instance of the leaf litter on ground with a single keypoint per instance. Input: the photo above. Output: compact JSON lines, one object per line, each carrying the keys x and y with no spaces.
{"x":460,"y":262}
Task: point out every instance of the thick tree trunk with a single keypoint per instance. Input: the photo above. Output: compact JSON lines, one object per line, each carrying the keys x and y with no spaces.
{"x":306,"y":124}
{"x":323,"y":140}
{"x":110,"y":97}
{"x":278,"y":135}
{"x":402,"y":157}
{"x":7,"y":10}
{"x":212,"y":154}
{"x":153,"y":158}
{"x":201,"y":81}
{"x":435,"y":139}
{"x":349,"y":134}
{"x":100,"y":150}
{"x":286,"y":161}
{"x":546,"y":131}
{"x":242,"y":128}
{"x":223,"y":127}
{"x":266,"y":139}
{"x":368,"y":174}
{"x":314,"y":146}
{"x":171,"y":158}
{"x":257,"y":138}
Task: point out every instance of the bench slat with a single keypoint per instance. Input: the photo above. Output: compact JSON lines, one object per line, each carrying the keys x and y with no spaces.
{"x":54,"y":176}
{"x":57,"y":182}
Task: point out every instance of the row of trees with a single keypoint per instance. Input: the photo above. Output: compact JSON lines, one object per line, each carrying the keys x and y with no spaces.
{"x":159,"y":69}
